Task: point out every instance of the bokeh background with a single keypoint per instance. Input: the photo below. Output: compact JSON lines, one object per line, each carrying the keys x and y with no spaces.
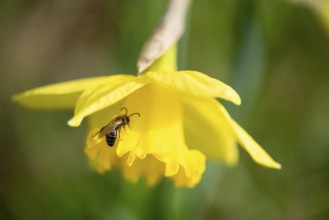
{"x":274,"y":53}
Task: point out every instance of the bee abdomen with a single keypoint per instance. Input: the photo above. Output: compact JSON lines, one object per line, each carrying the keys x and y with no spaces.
{"x":111,"y":137}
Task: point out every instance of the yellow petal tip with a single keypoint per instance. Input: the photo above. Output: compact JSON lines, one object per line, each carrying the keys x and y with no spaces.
{"x":19,"y":98}
{"x":277,"y":166}
{"x":15,"y":98}
{"x":234,"y":97}
{"x":270,"y":164}
{"x":237,"y":101}
{"x":74,"y":122}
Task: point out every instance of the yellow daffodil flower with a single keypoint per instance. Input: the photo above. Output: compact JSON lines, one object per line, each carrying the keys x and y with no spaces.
{"x":181,"y":124}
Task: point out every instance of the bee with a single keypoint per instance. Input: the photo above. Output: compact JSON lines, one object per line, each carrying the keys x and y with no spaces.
{"x":113,"y":128}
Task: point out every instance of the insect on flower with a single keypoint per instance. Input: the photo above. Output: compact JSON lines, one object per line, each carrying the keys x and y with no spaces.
{"x":113,"y":128}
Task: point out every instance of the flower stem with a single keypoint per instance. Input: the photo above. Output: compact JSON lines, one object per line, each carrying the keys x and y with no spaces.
{"x":167,"y":62}
{"x":165,"y":35}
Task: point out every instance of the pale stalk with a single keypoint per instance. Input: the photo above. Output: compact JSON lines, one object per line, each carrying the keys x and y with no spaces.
{"x":166,"y":34}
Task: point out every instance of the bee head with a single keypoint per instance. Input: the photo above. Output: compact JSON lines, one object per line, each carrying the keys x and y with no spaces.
{"x":126,"y":117}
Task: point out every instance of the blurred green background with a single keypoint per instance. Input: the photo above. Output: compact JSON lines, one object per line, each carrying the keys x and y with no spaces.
{"x":274,"y":53}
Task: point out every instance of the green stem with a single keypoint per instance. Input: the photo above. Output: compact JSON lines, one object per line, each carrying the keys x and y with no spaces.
{"x":167,"y":62}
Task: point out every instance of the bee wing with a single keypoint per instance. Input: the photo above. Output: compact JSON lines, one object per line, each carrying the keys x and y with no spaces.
{"x":112,"y":125}
{"x":104,"y":130}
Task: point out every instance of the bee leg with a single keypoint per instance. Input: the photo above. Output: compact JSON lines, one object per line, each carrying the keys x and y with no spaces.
{"x":124,"y":127}
{"x":120,"y":133}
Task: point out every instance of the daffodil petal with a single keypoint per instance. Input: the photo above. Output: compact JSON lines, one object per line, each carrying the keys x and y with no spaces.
{"x":103,"y":117}
{"x":58,"y":96}
{"x":196,"y":84}
{"x":93,"y":94}
{"x":257,"y":153}
{"x":208,"y":129}
{"x":99,"y":98}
